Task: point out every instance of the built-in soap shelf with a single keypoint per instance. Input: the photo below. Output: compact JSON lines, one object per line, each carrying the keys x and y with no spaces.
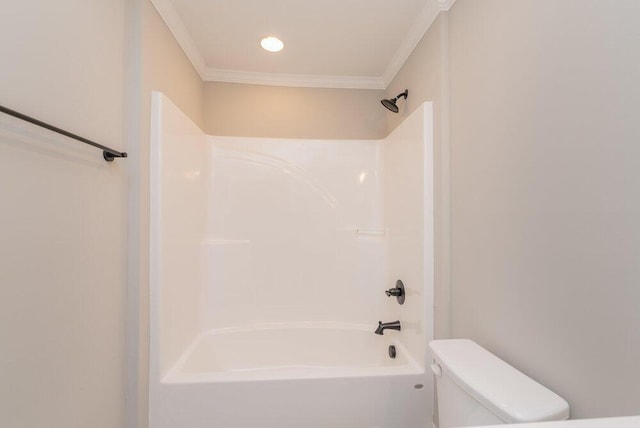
{"x":371,"y":232}
{"x":225,"y":241}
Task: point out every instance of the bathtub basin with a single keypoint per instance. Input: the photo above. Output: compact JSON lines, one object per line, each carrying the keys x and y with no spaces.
{"x":290,"y":351}
{"x":293,"y":375}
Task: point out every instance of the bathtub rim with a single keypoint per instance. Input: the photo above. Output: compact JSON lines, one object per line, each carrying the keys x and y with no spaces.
{"x":175,"y":376}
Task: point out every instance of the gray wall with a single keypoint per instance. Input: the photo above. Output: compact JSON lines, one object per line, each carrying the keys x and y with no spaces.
{"x":538,"y":172}
{"x":545,"y":175}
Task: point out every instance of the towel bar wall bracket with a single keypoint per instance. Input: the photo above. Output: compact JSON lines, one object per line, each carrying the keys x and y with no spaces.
{"x":108,"y":153}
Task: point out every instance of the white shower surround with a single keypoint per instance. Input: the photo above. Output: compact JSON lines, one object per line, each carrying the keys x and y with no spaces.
{"x":269,"y":261}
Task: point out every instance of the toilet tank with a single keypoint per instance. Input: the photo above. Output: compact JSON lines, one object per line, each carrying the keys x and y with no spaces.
{"x":475,"y":387}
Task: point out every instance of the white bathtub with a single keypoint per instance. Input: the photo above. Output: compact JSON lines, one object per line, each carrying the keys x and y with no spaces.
{"x":291,"y":351}
{"x":248,"y":231}
{"x":294,"y":375}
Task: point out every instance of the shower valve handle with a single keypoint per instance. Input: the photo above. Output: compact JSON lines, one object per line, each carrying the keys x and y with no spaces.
{"x":397,"y":292}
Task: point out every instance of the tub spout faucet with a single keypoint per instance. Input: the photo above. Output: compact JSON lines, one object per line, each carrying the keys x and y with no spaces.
{"x":394,"y":325}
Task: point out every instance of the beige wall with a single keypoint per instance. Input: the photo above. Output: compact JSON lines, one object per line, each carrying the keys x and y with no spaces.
{"x":545,"y":174}
{"x":166,"y":68}
{"x":163,"y":67}
{"x":425,"y":74}
{"x":421,"y":74}
{"x":234,"y":109}
{"x":63,"y":216}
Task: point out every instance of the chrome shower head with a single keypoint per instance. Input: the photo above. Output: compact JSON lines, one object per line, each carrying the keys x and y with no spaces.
{"x":391,"y":104}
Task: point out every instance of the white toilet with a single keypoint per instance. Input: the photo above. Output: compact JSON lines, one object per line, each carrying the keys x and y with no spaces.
{"x":475,"y":387}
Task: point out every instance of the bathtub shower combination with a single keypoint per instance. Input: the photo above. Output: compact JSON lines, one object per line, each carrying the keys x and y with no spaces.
{"x":270,"y":259}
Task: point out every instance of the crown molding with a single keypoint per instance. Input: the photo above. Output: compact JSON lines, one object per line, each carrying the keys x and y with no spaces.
{"x":446,"y":4}
{"x":170,"y":17}
{"x":296,"y":80}
{"x":208,"y":74}
{"x":417,"y":31}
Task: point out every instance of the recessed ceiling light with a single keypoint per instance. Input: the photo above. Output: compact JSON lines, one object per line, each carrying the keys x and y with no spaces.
{"x":272,"y":44}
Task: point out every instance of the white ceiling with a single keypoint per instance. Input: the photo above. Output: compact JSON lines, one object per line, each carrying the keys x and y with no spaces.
{"x":328,"y":43}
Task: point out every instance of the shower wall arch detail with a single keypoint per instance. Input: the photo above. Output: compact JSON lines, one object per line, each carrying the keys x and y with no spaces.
{"x":270,"y":258}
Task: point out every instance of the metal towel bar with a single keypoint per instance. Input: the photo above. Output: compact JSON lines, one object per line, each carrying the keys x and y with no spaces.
{"x":107,"y":153}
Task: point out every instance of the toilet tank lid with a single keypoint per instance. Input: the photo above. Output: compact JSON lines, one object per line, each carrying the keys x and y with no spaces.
{"x":508,"y":393}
